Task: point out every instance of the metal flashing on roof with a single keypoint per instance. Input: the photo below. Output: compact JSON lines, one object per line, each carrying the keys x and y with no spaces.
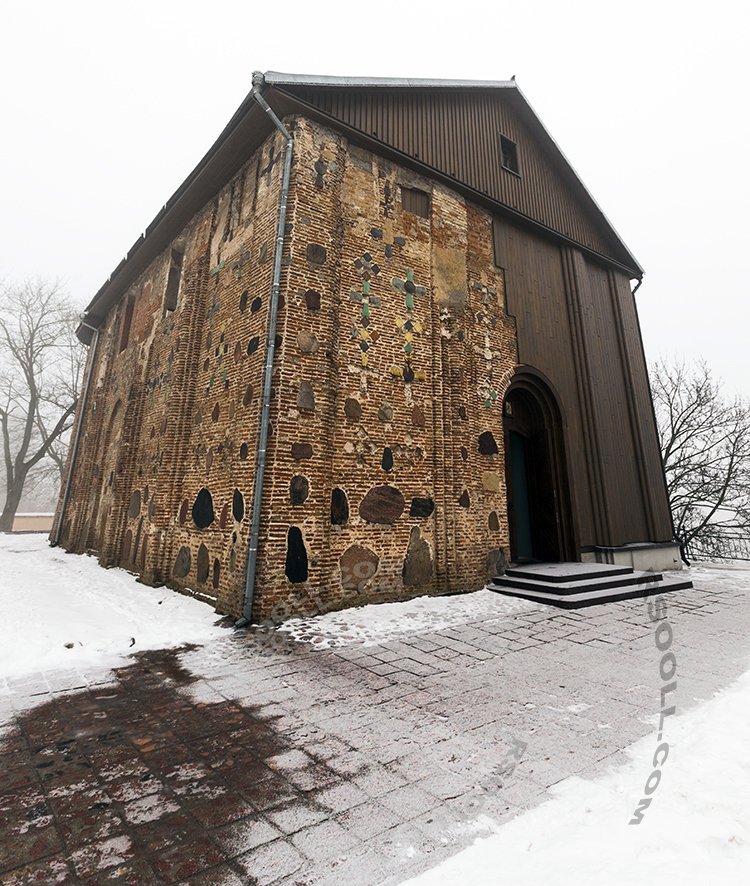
{"x":275,"y":78}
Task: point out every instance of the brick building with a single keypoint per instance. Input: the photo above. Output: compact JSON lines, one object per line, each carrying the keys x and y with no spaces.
{"x":455,"y":371}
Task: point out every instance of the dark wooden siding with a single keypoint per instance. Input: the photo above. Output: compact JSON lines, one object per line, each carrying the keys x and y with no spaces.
{"x":576,"y":324}
{"x":457,"y":133}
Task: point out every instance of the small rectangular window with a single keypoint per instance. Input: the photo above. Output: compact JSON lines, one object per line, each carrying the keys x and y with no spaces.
{"x":173,"y":282}
{"x":415,"y":201}
{"x":126,"y":321}
{"x":509,"y":155}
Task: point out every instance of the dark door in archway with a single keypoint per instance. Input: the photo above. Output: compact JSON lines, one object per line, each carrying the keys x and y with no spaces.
{"x":538,"y":506}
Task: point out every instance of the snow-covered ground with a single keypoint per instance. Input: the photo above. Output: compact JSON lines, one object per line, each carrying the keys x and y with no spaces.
{"x":59,"y":610}
{"x":695,"y":831}
{"x":379,"y":623}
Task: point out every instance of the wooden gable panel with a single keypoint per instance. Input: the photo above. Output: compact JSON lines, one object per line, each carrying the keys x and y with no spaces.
{"x":457,"y":132}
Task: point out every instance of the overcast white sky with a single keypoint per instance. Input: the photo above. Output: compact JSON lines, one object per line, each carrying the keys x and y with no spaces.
{"x":106,"y":107}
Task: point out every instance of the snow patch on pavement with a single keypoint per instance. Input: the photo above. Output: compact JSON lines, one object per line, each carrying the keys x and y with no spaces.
{"x":63,"y":611}
{"x":380,"y":622}
{"x":695,"y":831}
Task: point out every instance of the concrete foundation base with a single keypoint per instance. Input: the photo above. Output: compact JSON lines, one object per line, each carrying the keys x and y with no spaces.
{"x":656,"y":557}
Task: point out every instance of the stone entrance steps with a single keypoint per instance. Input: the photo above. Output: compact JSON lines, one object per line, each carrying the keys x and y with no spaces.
{"x":573,"y":585}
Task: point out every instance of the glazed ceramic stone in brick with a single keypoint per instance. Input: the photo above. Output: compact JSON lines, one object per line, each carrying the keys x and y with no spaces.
{"x":418,"y":567}
{"x":301,"y":451}
{"x":182,"y":562}
{"x":352,"y":409}
{"x":299,"y":489}
{"x":306,"y":397}
{"x":421,"y":507}
{"x":382,"y":504}
{"x":358,"y":565}
{"x":296,"y":556}
{"x":201,"y":565}
{"x":307,"y":342}
{"x":339,"y":508}
{"x":385,"y":413}
{"x":491,"y":481}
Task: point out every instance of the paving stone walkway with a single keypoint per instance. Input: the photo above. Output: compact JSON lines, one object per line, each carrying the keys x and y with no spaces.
{"x":263,"y":759}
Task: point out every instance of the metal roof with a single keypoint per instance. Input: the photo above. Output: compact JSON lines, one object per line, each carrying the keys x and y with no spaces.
{"x":275,"y":78}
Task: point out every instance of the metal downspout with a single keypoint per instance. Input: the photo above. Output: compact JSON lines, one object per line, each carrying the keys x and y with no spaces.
{"x":76,"y":439}
{"x":252,"y":551}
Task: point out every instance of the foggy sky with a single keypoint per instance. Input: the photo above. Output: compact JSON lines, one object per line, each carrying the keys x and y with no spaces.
{"x":107,"y":107}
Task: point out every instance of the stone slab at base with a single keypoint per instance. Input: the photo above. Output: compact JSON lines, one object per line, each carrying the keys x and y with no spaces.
{"x":657,"y":557}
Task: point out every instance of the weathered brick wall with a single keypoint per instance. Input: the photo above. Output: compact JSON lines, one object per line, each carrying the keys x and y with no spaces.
{"x":394,"y":352}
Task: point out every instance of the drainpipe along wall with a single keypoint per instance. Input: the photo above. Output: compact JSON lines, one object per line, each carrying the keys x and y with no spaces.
{"x":55,"y":540}
{"x":252,"y":551}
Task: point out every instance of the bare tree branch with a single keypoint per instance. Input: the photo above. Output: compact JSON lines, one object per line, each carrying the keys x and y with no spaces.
{"x":705,"y":444}
{"x":40,"y":364}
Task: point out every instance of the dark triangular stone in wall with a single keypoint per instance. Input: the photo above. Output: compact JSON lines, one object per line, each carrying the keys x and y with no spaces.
{"x":487,"y":444}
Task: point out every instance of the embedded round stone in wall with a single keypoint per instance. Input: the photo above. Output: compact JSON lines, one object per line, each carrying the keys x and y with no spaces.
{"x":487,"y":444}
{"x":243,"y":301}
{"x":353,"y":409}
{"x":243,"y":451}
{"x":216,"y":574}
{"x":385,"y":413}
{"x":238,"y":506}
{"x":256,"y":304}
{"x":135,"y":504}
{"x":316,"y":254}
{"x":358,"y":565}
{"x":387,"y":461}
{"x":417,"y":417}
{"x":306,"y":397}
{"x":464,"y":499}
{"x":248,"y":397}
{"x":127,"y":543}
{"x":296,"y":556}
{"x":462,"y":412}
{"x":184,"y":508}
{"x":181,"y":563}
{"x":491,"y":481}
{"x":417,"y":569}
{"x":301,"y":450}
{"x":224,"y":518}
{"x":307,"y":342}
{"x":464,"y":453}
{"x":421,"y":507}
{"x":201,"y":564}
{"x":209,"y":459}
{"x":151,"y":507}
{"x":312,"y":300}
{"x":252,"y":345}
{"x":238,"y":352}
{"x":339,"y":508}
{"x":299,"y":489}
{"x":493,"y":522}
{"x":203,"y":509}
{"x":382,"y":504}
{"x":215,"y":412}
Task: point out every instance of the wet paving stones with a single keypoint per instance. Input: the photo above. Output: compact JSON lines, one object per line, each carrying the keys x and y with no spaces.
{"x":268,"y":759}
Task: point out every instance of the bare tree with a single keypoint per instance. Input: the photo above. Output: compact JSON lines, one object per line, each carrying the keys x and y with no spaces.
{"x":705,"y":443}
{"x":40,"y":369}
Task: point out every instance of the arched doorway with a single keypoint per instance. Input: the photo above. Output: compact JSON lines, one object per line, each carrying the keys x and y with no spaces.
{"x":539,"y":512}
